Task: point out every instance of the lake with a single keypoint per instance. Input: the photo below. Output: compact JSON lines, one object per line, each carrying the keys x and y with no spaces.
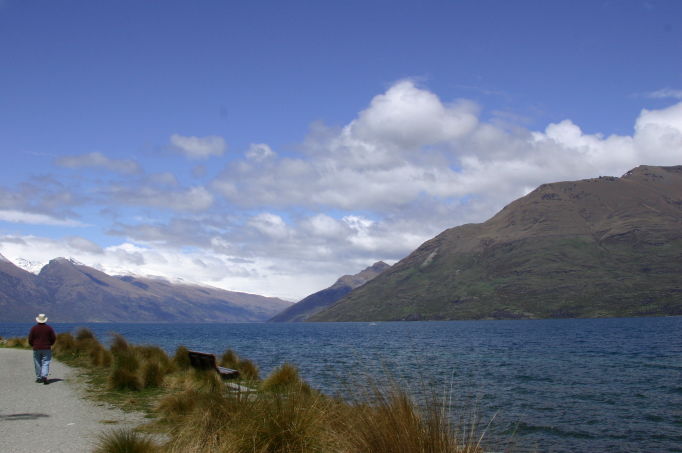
{"x":548,"y":385}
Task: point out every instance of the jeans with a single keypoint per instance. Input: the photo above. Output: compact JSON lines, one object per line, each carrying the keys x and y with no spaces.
{"x":41,"y":360}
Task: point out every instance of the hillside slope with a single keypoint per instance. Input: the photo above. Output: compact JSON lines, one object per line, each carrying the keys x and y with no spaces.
{"x":592,"y":248}
{"x":320,"y":300}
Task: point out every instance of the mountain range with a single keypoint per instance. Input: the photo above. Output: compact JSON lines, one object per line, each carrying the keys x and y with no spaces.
{"x":598,"y":247}
{"x":72,"y":292}
{"x":320,"y":300}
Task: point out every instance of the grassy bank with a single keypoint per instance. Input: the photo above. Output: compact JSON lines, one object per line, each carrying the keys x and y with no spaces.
{"x":196,"y":412}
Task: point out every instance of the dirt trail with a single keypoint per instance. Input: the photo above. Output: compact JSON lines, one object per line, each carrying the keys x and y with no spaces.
{"x":52,"y":418}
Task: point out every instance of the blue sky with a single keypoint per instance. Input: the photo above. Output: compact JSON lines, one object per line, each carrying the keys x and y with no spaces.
{"x":271,"y":146}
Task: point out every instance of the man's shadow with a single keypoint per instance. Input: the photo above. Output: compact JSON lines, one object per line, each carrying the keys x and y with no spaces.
{"x":30,"y":416}
{"x":52,"y":381}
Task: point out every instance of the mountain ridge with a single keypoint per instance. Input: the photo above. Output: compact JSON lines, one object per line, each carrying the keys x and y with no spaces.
{"x":597,"y":247}
{"x":73,"y":292}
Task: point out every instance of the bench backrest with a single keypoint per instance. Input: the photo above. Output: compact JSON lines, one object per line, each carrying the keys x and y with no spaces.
{"x":202,"y":361}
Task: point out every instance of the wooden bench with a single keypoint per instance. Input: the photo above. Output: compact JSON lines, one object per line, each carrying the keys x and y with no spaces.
{"x":204,"y":361}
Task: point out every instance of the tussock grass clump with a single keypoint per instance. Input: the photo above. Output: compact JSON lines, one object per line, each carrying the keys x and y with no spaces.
{"x":181,"y":358}
{"x":148,"y":352}
{"x":82,"y":347}
{"x":65,"y":345}
{"x":295,"y":421}
{"x":124,"y":374}
{"x":119,"y":344}
{"x":247,"y":369}
{"x":157,"y":356}
{"x":292,"y":422}
{"x":123,"y":379}
{"x":152,"y":374}
{"x":174,"y":406}
{"x":99,"y":356}
{"x":84,"y":334}
{"x":17,"y":342}
{"x":207,"y":426}
{"x":284,"y":379}
{"x":229,"y":359}
{"x":125,"y":441}
{"x":389,"y":421}
{"x":207,"y":381}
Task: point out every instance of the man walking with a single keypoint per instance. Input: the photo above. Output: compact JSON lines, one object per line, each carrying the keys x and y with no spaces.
{"x":41,"y":338}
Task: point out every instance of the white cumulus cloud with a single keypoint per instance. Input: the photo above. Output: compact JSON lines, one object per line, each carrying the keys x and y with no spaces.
{"x":405,"y":168}
{"x":199,"y":147}
{"x":259,"y":152}
{"x":666,"y":93}
{"x":97,"y":159}
{"x":32,"y":218}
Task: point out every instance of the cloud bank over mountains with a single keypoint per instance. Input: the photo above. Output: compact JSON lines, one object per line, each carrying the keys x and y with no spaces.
{"x":287,"y":223}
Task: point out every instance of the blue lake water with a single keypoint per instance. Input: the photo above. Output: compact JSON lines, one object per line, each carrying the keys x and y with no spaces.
{"x":550,"y":385}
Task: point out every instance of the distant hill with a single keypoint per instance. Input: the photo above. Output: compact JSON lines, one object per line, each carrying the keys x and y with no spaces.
{"x":592,"y":248}
{"x":320,"y":300}
{"x":72,"y":292}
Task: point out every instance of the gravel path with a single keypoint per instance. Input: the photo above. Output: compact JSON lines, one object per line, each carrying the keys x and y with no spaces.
{"x":52,"y":418}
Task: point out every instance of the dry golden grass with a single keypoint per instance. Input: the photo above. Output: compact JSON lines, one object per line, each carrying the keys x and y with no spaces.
{"x":284,"y":379}
{"x":118,"y":344}
{"x":125,"y":441}
{"x":229,"y":359}
{"x":388,"y":420}
{"x":248,"y":370}
{"x":17,"y":342}
{"x":84,"y":334}
{"x":181,"y":358}
{"x":200,"y":414}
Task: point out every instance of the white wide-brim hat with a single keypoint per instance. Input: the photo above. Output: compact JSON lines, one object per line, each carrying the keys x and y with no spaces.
{"x":41,"y":318}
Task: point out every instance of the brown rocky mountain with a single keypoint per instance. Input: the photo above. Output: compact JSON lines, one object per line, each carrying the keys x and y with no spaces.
{"x":592,"y":248}
{"x":318,"y":301}
{"x":72,"y":292}
{"x":19,"y":292}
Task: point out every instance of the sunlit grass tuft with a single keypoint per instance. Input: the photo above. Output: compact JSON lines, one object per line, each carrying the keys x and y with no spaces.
{"x":17,"y":342}
{"x":125,"y":441}
{"x":199,"y":413}
{"x":181,"y":358}
{"x":229,"y":359}
{"x":283,"y":379}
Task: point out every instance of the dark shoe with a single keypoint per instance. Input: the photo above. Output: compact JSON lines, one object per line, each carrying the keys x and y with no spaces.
{"x":45,"y":381}
{"x":39,"y":380}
